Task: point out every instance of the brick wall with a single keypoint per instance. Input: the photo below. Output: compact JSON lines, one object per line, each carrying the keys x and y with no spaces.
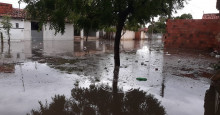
{"x":5,"y":8}
{"x":193,"y":34}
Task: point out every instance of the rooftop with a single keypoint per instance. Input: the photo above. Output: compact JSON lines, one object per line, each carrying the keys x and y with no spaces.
{"x":7,"y":9}
{"x":211,"y":16}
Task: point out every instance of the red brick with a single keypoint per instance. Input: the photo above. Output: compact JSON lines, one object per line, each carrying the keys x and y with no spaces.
{"x":195,"y":34}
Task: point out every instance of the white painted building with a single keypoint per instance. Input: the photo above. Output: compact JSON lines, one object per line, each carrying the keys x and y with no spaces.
{"x":131,"y":35}
{"x":50,"y":34}
{"x":23,"y":29}
{"x":126,"y":35}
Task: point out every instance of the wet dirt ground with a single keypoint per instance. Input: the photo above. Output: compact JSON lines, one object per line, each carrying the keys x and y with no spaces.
{"x":32,"y":72}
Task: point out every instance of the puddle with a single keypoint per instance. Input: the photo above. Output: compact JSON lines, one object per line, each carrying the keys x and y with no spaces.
{"x":32,"y":72}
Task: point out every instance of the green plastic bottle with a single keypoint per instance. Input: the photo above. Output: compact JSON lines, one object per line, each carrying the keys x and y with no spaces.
{"x":141,"y":79}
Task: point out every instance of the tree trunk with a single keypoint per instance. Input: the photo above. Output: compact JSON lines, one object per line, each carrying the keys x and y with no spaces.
{"x":9,"y":49}
{"x":117,"y":43}
{"x":2,"y":48}
{"x":2,"y":38}
{"x":87,"y":35}
{"x":116,"y":102}
{"x":120,"y":25}
{"x":115,"y":80}
{"x":8,"y":37}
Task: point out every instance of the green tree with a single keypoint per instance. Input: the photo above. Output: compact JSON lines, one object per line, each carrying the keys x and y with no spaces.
{"x":6,"y":24}
{"x":105,"y":13}
{"x":159,"y":26}
{"x":109,"y":32}
{"x":86,"y":18}
{"x":184,"y":16}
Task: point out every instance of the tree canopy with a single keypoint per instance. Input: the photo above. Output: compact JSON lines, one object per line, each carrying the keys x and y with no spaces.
{"x":159,"y":26}
{"x":97,"y":14}
{"x":184,"y":16}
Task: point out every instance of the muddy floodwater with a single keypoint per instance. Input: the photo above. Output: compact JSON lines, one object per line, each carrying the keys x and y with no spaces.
{"x":37,"y":71}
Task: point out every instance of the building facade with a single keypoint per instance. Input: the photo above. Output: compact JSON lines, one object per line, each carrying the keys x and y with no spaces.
{"x":25,"y":29}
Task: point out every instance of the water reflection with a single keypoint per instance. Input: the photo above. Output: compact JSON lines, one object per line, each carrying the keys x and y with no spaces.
{"x":52,"y":67}
{"x":103,"y":100}
{"x":212,"y":99}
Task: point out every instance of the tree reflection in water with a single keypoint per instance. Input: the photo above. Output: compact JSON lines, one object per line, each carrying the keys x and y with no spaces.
{"x":103,"y":100}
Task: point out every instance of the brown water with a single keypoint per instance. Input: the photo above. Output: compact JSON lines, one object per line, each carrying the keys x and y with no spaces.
{"x":32,"y":72}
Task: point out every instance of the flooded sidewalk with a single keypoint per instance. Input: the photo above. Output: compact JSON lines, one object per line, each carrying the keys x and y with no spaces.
{"x":32,"y":72}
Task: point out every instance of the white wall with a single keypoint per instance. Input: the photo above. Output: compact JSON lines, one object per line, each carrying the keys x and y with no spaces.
{"x":27,"y":30}
{"x":143,"y":35}
{"x":49,"y":34}
{"x":17,"y":34}
{"x":23,"y":33}
{"x":129,"y":35}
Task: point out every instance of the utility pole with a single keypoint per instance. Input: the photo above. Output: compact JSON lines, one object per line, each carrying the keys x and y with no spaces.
{"x":19,"y":2}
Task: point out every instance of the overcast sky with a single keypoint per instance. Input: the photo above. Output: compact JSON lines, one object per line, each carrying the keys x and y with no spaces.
{"x":195,"y":7}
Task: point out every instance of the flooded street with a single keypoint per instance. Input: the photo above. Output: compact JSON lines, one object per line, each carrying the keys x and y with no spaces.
{"x":32,"y":72}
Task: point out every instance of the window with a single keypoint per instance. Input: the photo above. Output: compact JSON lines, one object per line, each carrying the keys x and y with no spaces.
{"x":17,"y":25}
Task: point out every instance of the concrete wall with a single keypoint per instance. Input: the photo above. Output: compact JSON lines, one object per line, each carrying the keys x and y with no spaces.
{"x":27,"y":30}
{"x":143,"y":35}
{"x":193,"y":34}
{"x":92,"y":34}
{"x":49,"y":34}
{"x":129,"y":35}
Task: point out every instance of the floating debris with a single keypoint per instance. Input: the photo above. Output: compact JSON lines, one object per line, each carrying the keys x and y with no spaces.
{"x":141,"y":79}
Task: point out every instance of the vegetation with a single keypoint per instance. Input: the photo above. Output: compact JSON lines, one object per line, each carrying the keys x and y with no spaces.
{"x":6,"y":24}
{"x":98,"y":14}
{"x":159,"y":26}
{"x":184,"y":16}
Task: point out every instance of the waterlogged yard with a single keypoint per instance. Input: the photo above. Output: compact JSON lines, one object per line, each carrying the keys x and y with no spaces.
{"x":177,"y":80}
